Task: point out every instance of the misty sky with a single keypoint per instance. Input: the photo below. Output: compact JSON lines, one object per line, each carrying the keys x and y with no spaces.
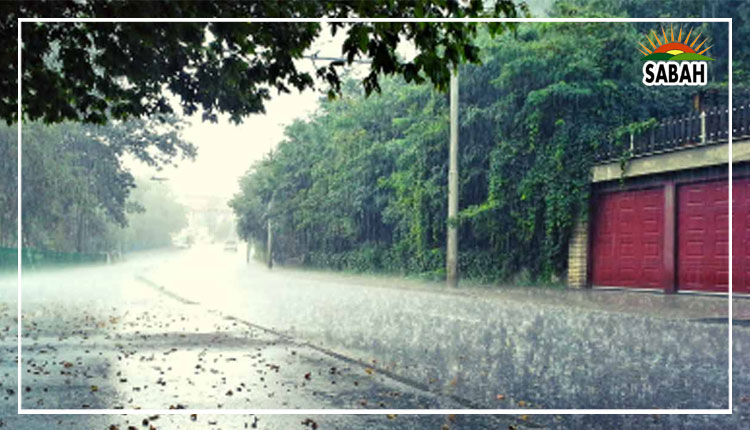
{"x":226,"y":151}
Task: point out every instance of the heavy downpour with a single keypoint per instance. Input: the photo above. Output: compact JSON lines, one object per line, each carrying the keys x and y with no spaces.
{"x":222,"y":221}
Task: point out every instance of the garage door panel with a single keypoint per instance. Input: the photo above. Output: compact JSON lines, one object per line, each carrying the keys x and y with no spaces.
{"x":651,"y":248}
{"x":703,"y":236}
{"x":694,"y":249}
{"x":626,"y":248}
{"x":722,"y":221}
{"x":697,"y":234}
{"x":627,"y":239}
{"x":652,"y":276}
{"x":722,"y":250}
{"x":651,"y":225}
{"x":692,"y":276}
{"x":627,"y":275}
{"x":722,"y":278}
{"x":741,"y":236}
{"x":695,"y":224}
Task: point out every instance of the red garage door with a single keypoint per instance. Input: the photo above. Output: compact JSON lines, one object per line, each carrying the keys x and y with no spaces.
{"x":703,"y":236}
{"x":628,"y":239}
{"x":741,"y":236}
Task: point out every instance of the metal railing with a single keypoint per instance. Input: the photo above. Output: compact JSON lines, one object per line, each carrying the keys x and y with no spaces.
{"x":673,"y":134}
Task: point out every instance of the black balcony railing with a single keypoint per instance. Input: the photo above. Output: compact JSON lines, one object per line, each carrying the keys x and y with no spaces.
{"x":709,"y":127}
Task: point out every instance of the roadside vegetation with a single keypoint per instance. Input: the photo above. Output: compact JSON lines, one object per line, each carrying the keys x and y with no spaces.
{"x":362,"y":184}
{"x":79,"y":197}
{"x":96,"y":92}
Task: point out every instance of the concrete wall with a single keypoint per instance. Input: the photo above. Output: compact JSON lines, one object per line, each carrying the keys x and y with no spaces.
{"x":688,"y":158}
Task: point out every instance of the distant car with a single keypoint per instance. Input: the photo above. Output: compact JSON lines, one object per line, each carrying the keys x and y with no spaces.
{"x":230,"y":245}
{"x":181,"y":244}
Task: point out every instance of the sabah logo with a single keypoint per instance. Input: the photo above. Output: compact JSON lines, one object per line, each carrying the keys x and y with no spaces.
{"x":674,"y":62}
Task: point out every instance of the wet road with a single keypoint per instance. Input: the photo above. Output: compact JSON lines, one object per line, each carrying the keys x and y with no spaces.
{"x":200,"y":329}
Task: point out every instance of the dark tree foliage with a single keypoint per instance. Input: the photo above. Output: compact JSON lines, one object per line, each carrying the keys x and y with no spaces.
{"x":92,"y":72}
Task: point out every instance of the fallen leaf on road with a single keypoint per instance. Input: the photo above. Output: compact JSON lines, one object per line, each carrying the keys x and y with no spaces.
{"x":369,"y":370}
{"x":391,"y":416}
{"x":94,"y":388}
{"x":500,"y":397}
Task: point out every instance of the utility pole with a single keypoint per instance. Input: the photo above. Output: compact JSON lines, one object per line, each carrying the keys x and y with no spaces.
{"x":451,"y":252}
{"x":269,"y":244}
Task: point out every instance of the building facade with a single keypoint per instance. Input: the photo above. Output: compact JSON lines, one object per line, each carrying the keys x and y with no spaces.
{"x":659,"y":218}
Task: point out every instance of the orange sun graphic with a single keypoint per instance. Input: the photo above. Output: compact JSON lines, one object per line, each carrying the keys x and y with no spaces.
{"x":667,"y":48}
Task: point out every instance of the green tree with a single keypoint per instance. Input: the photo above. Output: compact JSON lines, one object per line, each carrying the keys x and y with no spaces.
{"x":95,"y":71}
{"x":74,"y":183}
{"x":362,"y":184}
{"x":155,"y":218}
{"x":8,"y":186}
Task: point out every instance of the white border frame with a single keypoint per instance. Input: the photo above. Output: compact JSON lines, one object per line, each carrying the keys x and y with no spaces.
{"x":19,"y":390}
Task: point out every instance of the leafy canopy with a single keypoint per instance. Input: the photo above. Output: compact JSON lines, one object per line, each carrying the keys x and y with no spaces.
{"x":76,"y":189}
{"x":92,"y":72}
{"x":362,"y":185}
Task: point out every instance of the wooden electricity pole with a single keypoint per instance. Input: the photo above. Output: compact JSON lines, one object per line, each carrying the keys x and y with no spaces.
{"x":451,"y":252}
{"x":269,"y":246}
{"x":269,"y":243}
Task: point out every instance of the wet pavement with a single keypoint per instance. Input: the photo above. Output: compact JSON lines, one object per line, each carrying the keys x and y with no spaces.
{"x":200,"y":329}
{"x":103,"y":338}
